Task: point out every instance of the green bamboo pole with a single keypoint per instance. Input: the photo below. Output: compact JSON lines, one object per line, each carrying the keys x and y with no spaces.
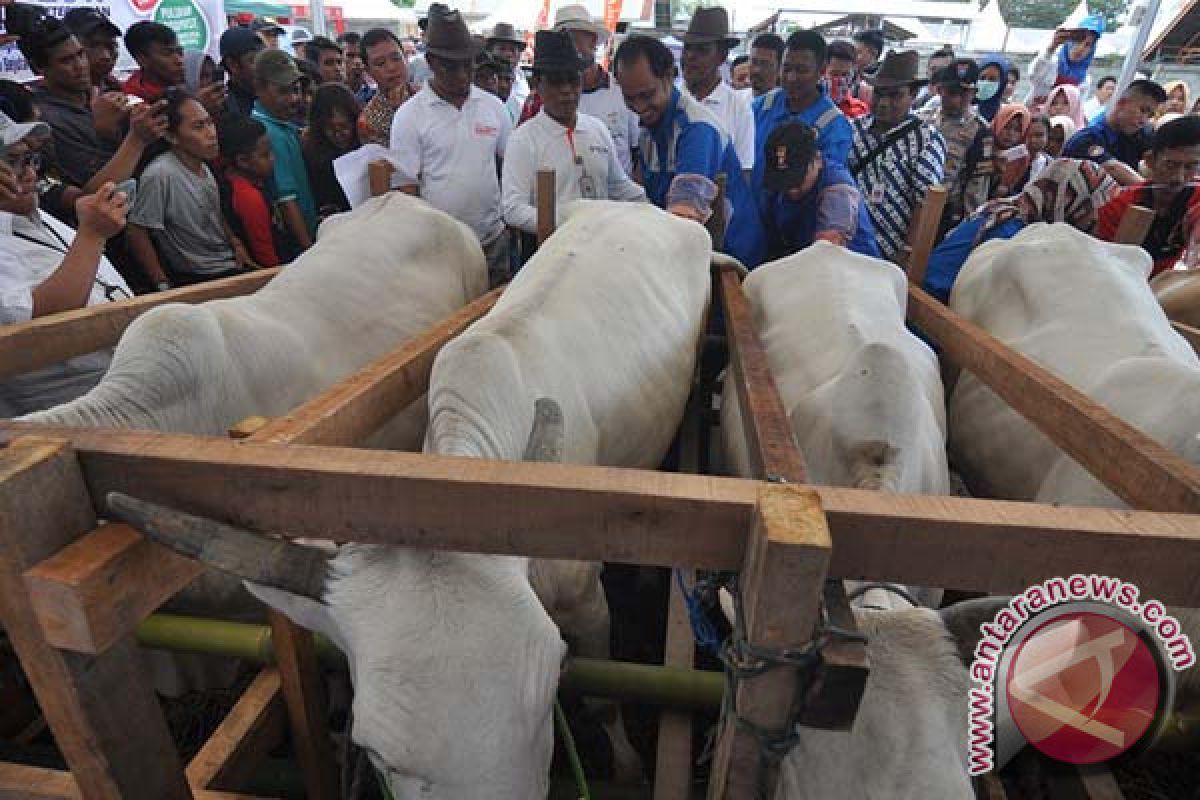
{"x":686,"y":689}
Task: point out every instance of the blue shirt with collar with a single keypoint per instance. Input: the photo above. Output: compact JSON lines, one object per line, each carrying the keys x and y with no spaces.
{"x":792,"y":224}
{"x":1100,"y":142}
{"x":834,"y":135}
{"x":689,"y":140}
{"x":291,"y":175}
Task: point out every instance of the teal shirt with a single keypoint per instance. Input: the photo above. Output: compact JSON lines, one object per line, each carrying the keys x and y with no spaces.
{"x":291,"y":176}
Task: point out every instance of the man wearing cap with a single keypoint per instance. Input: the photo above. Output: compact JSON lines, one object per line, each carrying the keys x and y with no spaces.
{"x":504,"y":42}
{"x":968,"y":169}
{"x":680,"y":136}
{"x":808,"y":199}
{"x":47,"y":268}
{"x":706,"y":46}
{"x":1076,"y":46}
{"x":99,"y":37}
{"x":938,"y":60}
{"x":895,"y":157}
{"x":576,"y":146}
{"x":239,"y":47}
{"x":448,"y":139}
{"x":159,"y":56}
{"x":269,"y":32}
{"x":277,"y":83}
{"x":601,"y":96}
{"x":1120,"y":138}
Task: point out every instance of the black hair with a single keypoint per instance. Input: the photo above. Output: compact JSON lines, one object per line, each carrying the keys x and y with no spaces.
{"x":769,"y":41}
{"x":374,"y":37}
{"x":16,"y":101}
{"x":737,"y":62}
{"x":1106,"y":79}
{"x":811,"y":42}
{"x":350,"y":40}
{"x":844,"y":50}
{"x":308,"y":71}
{"x":141,"y":35}
{"x":872,"y":38}
{"x":944,"y":52}
{"x":314,"y":46}
{"x":658,"y":56}
{"x":1146,"y":88}
{"x":1181,"y":132}
{"x":39,"y":32}
{"x":1014,"y":74}
{"x":329,"y":98}
{"x":238,"y":135}
{"x":176,"y":96}
{"x":1036,"y":119}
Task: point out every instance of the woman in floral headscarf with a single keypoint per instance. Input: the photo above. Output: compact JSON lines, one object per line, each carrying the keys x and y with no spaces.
{"x":1068,"y":190}
{"x":1011,"y":159}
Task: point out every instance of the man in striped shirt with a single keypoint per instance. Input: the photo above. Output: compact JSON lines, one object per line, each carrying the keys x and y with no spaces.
{"x":895,"y":156}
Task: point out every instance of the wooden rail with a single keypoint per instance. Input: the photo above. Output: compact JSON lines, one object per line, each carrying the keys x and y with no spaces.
{"x":922,"y":236}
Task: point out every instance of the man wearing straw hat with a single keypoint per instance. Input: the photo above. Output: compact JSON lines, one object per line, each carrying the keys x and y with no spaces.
{"x":706,"y":46}
{"x":576,"y":146}
{"x":601,"y":96}
{"x":447,"y":140}
{"x":896,"y":157}
{"x":504,"y":42}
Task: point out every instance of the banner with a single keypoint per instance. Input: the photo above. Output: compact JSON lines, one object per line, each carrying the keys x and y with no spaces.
{"x":612,"y":14}
{"x":198,"y":23}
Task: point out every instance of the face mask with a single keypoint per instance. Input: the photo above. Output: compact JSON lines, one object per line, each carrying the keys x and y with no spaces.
{"x":987,"y":90}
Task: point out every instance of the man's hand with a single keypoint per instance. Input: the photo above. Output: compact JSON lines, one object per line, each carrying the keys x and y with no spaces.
{"x":212,"y":97}
{"x":9,"y":188}
{"x":102,"y":214}
{"x":109,"y":111}
{"x":379,"y":176}
{"x":242,"y":256}
{"x":1061,"y":37}
{"x":1120,"y":172}
{"x":148,"y":121}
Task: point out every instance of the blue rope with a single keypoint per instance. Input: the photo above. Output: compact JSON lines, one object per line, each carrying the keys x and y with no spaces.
{"x":703,"y":630}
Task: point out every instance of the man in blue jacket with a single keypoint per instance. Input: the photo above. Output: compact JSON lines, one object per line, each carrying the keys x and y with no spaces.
{"x":680,"y":136}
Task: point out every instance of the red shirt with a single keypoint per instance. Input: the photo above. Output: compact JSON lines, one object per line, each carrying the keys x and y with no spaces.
{"x":853,"y":107}
{"x":254,"y":212}
{"x":1168,"y":235}
{"x":145,"y":88}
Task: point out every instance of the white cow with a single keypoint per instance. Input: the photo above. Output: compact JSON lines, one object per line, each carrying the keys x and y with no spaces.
{"x":1082,"y":309}
{"x":864,"y":394}
{"x":455,"y":661}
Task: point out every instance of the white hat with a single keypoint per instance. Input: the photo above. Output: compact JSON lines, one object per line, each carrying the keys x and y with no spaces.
{"x":13,"y":132}
{"x":577,"y":18}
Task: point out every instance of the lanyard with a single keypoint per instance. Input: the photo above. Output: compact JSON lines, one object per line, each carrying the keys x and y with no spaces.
{"x":587,"y":187}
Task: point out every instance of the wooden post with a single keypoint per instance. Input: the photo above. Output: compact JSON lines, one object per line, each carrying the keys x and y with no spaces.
{"x":922,"y":236}
{"x":781,"y":581}
{"x":547,"y":202}
{"x":1135,"y":225}
{"x":102,"y":709}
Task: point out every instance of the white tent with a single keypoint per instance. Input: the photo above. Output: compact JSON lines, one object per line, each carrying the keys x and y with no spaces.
{"x":989,"y":30}
{"x":377,"y":10}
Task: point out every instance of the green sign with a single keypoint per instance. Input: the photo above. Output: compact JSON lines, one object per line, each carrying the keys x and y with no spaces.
{"x":185,"y":19}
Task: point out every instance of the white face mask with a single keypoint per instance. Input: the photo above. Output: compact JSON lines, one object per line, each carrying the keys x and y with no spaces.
{"x":986,"y":90}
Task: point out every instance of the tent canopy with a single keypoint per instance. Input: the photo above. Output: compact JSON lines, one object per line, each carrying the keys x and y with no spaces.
{"x":258,"y":8}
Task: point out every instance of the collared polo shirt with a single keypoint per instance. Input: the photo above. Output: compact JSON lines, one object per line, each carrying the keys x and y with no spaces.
{"x":732,"y":109}
{"x":607,"y":104}
{"x":31,"y":250}
{"x":291,"y":175}
{"x":144,"y":87}
{"x":894,"y":183}
{"x":450,"y":154}
{"x":584,"y":161}
{"x":1099,"y":142}
{"x":79,"y":151}
{"x":833,"y":129}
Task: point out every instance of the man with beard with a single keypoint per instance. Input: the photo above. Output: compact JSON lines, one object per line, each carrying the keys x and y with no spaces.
{"x":447,"y":141}
{"x":706,"y":46}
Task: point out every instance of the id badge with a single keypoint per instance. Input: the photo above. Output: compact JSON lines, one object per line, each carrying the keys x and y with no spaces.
{"x":876,"y":196}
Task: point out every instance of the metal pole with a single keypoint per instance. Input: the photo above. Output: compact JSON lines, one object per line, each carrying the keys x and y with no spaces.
{"x":316,"y":9}
{"x":1133,"y":58}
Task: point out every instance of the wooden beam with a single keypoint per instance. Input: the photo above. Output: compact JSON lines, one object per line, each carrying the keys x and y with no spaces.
{"x":91,"y":704}
{"x":22,"y":782}
{"x":252,"y":728}
{"x":50,"y":340}
{"x":547,"y":200}
{"x":1189,"y":333}
{"x":1134,"y":226}
{"x":1139,"y":470}
{"x":654,"y":518}
{"x":781,"y":581}
{"x":349,"y":412}
{"x":922,"y":237}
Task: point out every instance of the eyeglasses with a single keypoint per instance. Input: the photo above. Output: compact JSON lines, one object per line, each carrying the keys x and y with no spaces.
{"x":112,"y":291}
{"x":24,"y":161}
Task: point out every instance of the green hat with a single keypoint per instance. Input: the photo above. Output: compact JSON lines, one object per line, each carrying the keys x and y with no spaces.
{"x":277,"y":67}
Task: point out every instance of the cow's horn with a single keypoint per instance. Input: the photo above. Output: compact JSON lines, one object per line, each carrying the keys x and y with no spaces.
{"x":250,"y":556}
{"x":546,"y":437}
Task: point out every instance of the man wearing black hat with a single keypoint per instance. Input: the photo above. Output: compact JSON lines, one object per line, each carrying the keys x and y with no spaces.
{"x":895,"y":156}
{"x":706,"y":46}
{"x":577,"y":147}
{"x":448,"y":139}
{"x":504,"y":42}
{"x":239,"y":47}
{"x":99,"y":37}
{"x":968,"y":170}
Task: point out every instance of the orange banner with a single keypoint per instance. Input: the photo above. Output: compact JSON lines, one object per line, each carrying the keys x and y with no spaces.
{"x":612,"y":14}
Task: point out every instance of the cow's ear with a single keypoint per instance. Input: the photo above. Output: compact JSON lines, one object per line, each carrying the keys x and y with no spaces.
{"x":304,"y":611}
{"x":962,"y":621}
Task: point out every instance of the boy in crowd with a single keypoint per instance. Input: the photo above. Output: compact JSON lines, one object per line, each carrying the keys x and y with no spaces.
{"x":159,"y":57}
{"x":1174,"y":161}
{"x":246,"y":149}
{"x":1119,"y":139}
{"x":277,"y":82}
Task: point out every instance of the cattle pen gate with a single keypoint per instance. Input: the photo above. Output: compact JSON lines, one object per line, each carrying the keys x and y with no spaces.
{"x":72,"y":591}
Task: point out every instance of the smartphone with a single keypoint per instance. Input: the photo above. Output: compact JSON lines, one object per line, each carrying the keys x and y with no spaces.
{"x":219,"y":75}
{"x":129,"y":187}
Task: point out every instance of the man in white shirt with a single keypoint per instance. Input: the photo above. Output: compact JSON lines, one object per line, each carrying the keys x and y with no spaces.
{"x":601,"y":97}
{"x":576,"y":146}
{"x":706,"y":46}
{"x":447,"y":140}
{"x":47,"y":268}
{"x":505,"y":43}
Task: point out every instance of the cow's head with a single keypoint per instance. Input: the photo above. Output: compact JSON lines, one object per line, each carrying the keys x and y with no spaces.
{"x":454,"y":661}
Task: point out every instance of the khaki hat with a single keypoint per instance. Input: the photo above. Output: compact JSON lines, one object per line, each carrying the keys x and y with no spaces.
{"x":277,"y":67}
{"x":577,"y":18}
{"x":447,"y":36}
{"x":899,"y":68}
{"x":710,"y":26}
{"x":13,"y":132}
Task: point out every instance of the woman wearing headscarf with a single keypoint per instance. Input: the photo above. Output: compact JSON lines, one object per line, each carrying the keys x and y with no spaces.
{"x":1068,"y":190}
{"x":1061,"y":131}
{"x":1064,"y":101}
{"x":989,"y":88}
{"x":200,"y":77}
{"x":1177,"y":98}
{"x":1011,"y":159}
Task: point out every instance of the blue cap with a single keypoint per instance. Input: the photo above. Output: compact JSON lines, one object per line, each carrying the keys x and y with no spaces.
{"x":1093,"y":23}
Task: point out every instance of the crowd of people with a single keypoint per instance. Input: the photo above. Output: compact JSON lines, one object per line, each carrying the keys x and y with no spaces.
{"x":192,"y":169}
